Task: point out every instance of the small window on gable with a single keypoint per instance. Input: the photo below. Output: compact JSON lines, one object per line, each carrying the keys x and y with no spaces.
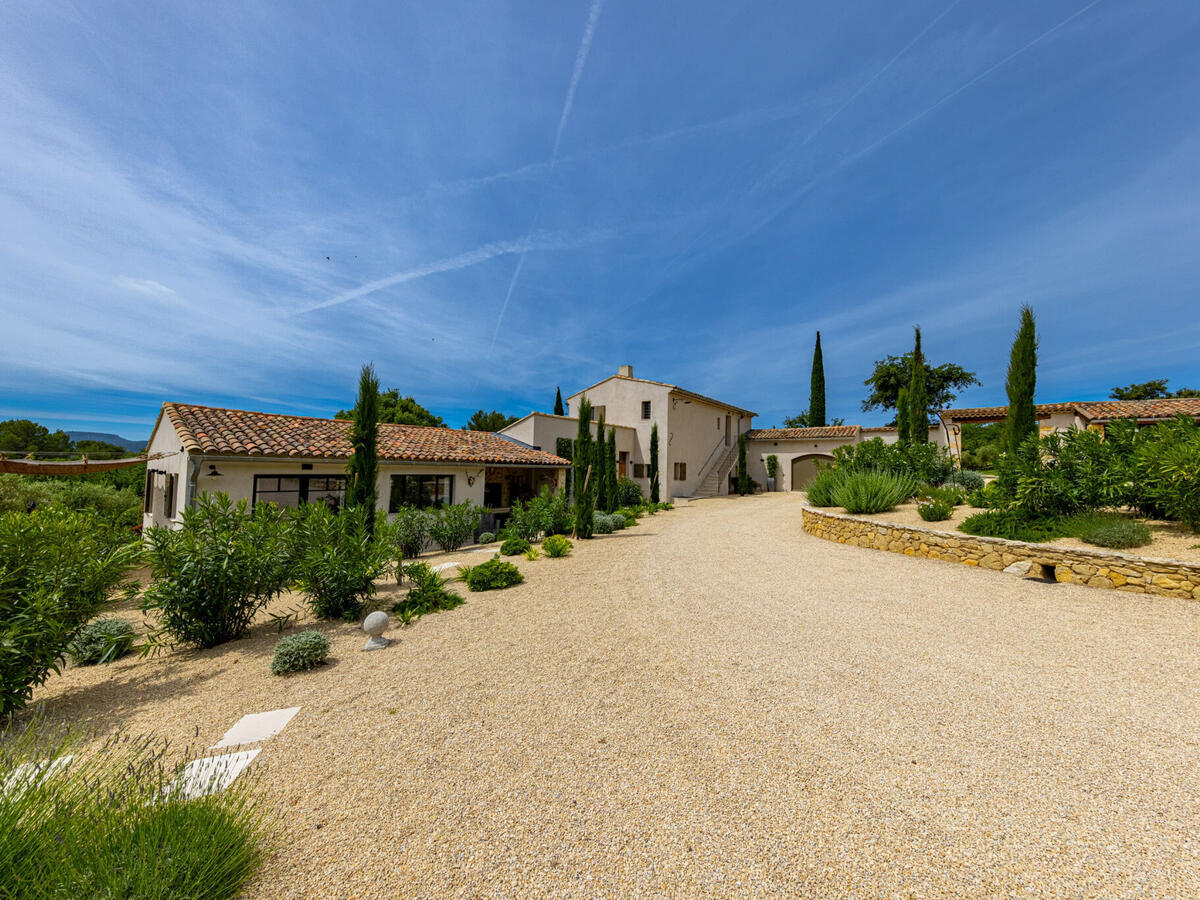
{"x":645,"y":409}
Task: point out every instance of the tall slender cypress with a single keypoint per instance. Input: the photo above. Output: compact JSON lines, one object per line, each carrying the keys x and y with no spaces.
{"x":1021,"y":384}
{"x":816,"y":395}
{"x":362,"y":470}
{"x":743,"y":473}
{"x":903,"y":435}
{"x":599,"y":466}
{"x":559,"y":409}
{"x":654,"y":463}
{"x":918,"y":396}
{"x":582,"y":459}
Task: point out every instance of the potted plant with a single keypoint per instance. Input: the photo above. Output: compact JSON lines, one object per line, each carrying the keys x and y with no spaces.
{"x":772,"y":471}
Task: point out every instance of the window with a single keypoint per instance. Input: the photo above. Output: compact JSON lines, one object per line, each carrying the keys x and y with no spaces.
{"x":597,"y":413}
{"x":645,"y":409}
{"x":421,"y":491}
{"x":493,"y":494}
{"x":681,"y":471}
{"x":639,"y":470}
{"x":169,"y":496}
{"x":292,"y":490}
{"x":148,"y":493}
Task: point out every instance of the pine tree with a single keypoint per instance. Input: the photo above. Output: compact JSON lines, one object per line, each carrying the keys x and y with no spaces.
{"x":918,"y":396}
{"x":654,"y":463}
{"x":585,"y":485}
{"x":558,"y":404}
{"x":363,"y":468}
{"x":1021,"y":384}
{"x":903,"y":435}
{"x":816,"y":395}
{"x":743,"y":475}
{"x":610,"y":461}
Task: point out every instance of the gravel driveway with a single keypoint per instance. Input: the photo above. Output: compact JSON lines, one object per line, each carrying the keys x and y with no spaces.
{"x":715,"y":704}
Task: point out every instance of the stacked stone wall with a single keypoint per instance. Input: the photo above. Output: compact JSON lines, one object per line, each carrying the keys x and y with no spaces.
{"x":1098,"y":569}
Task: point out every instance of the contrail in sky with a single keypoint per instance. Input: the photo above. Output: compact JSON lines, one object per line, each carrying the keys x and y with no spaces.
{"x":585,"y":46}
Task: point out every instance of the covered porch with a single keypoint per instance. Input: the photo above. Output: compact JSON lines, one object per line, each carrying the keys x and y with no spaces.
{"x":505,"y":485}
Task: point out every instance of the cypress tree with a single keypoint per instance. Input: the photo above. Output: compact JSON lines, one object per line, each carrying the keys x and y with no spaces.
{"x":558,"y":404}
{"x":1021,"y":383}
{"x":918,"y":396}
{"x":600,"y":467}
{"x":611,"y":462}
{"x":654,"y":463}
{"x":816,"y":395}
{"x":585,"y":485}
{"x":743,"y":475}
{"x":903,"y":436}
{"x":362,"y":470}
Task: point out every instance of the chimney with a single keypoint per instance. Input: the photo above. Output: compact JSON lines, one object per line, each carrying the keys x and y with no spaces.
{"x":625,"y":371}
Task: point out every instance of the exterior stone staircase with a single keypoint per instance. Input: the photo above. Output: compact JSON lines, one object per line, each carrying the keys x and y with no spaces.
{"x":718,"y":474}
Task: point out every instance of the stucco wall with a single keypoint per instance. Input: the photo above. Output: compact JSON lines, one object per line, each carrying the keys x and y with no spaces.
{"x":165,"y":440}
{"x":542,"y":430}
{"x":757,"y":452}
{"x":696,"y":436}
{"x":1098,"y":569}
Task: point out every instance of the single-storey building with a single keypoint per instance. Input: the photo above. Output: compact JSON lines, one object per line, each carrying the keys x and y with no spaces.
{"x":288,"y":460}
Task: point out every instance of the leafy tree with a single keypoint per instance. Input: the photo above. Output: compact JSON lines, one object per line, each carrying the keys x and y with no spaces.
{"x":654,"y":498}
{"x":559,"y":409}
{"x":1150,"y":390}
{"x":100,"y":448}
{"x":918,"y":398}
{"x":743,"y":473}
{"x":816,"y":395}
{"x":942,"y":383}
{"x":585,"y":486}
{"x":362,"y":489}
{"x":488,"y":421}
{"x":1020,"y":386}
{"x":397,"y":410}
{"x":802,"y":420}
{"x":29,"y":437}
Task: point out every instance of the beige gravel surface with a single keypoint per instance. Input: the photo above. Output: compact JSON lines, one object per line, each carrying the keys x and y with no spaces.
{"x":715,"y":704}
{"x":1170,"y":539}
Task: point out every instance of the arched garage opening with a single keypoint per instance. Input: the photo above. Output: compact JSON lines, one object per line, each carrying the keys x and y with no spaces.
{"x":804,"y":469}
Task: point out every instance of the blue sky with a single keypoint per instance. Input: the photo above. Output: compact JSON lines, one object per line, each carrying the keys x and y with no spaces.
{"x":239,"y":204}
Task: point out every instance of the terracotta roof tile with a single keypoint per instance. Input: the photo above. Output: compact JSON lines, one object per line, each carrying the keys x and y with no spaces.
{"x":999,"y":412}
{"x":1107,"y":410}
{"x":233,"y":432}
{"x":802,"y":434}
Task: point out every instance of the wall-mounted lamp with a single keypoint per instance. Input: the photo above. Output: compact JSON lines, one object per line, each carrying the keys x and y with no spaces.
{"x":212,"y":471}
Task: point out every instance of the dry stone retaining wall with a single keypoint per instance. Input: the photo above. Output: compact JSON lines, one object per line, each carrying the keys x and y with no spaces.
{"x":1119,"y":571}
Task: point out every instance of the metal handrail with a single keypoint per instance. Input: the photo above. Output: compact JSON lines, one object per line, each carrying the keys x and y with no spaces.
{"x":712,"y":462}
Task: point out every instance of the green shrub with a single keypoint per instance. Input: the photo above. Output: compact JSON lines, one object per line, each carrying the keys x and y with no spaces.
{"x":526,"y":520}
{"x":455,"y":525}
{"x":934,"y":510}
{"x":21,"y":494}
{"x":556,"y":546}
{"x":923,"y":461}
{"x":335,"y":560}
{"x":299,"y":652}
{"x":409,"y":531}
{"x":629,"y":492}
{"x":950,"y":494}
{"x":428,"y":593}
{"x":1107,"y":529}
{"x":990,"y":496}
{"x":772,"y":465}
{"x":487,"y":538}
{"x":1164,"y":467}
{"x":601,"y":523}
{"x":101,"y":641}
{"x":1012,"y":525}
{"x":966,"y":478}
{"x":629,"y":514}
{"x":665,"y":505}
{"x":618,"y":521}
{"x":213,"y":575}
{"x":514,"y":546}
{"x":559,"y":517}
{"x":105,"y":824}
{"x":493,"y":575}
{"x":57,"y":569}
{"x":820,"y":490}
{"x":872,"y":492}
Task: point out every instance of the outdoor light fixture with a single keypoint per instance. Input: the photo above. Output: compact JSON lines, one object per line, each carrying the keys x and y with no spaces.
{"x":212,"y":471}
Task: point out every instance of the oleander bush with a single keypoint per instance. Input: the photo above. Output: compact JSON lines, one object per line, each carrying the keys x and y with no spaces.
{"x":934,"y":510}
{"x":990,"y":496}
{"x":872,"y":491}
{"x":924,"y":462}
{"x":455,"y":525}
{"x":556,"y":546}
{"x":629,"y":493}
{"x":336,"y":560}
{"x":487,"y":538}
{"x":968,"y":479}
{"x":106,"y":823}
{"x":299,"y":652}
{"x":601,"y":523}
{"x":514,"y":546}
{"x":492,"y":575}
{"x":57,"y":570}
{"x":101,"y":641}
{"x":213,"y":575}
{"x":526,"y":520}
{"x":408,"y":531}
